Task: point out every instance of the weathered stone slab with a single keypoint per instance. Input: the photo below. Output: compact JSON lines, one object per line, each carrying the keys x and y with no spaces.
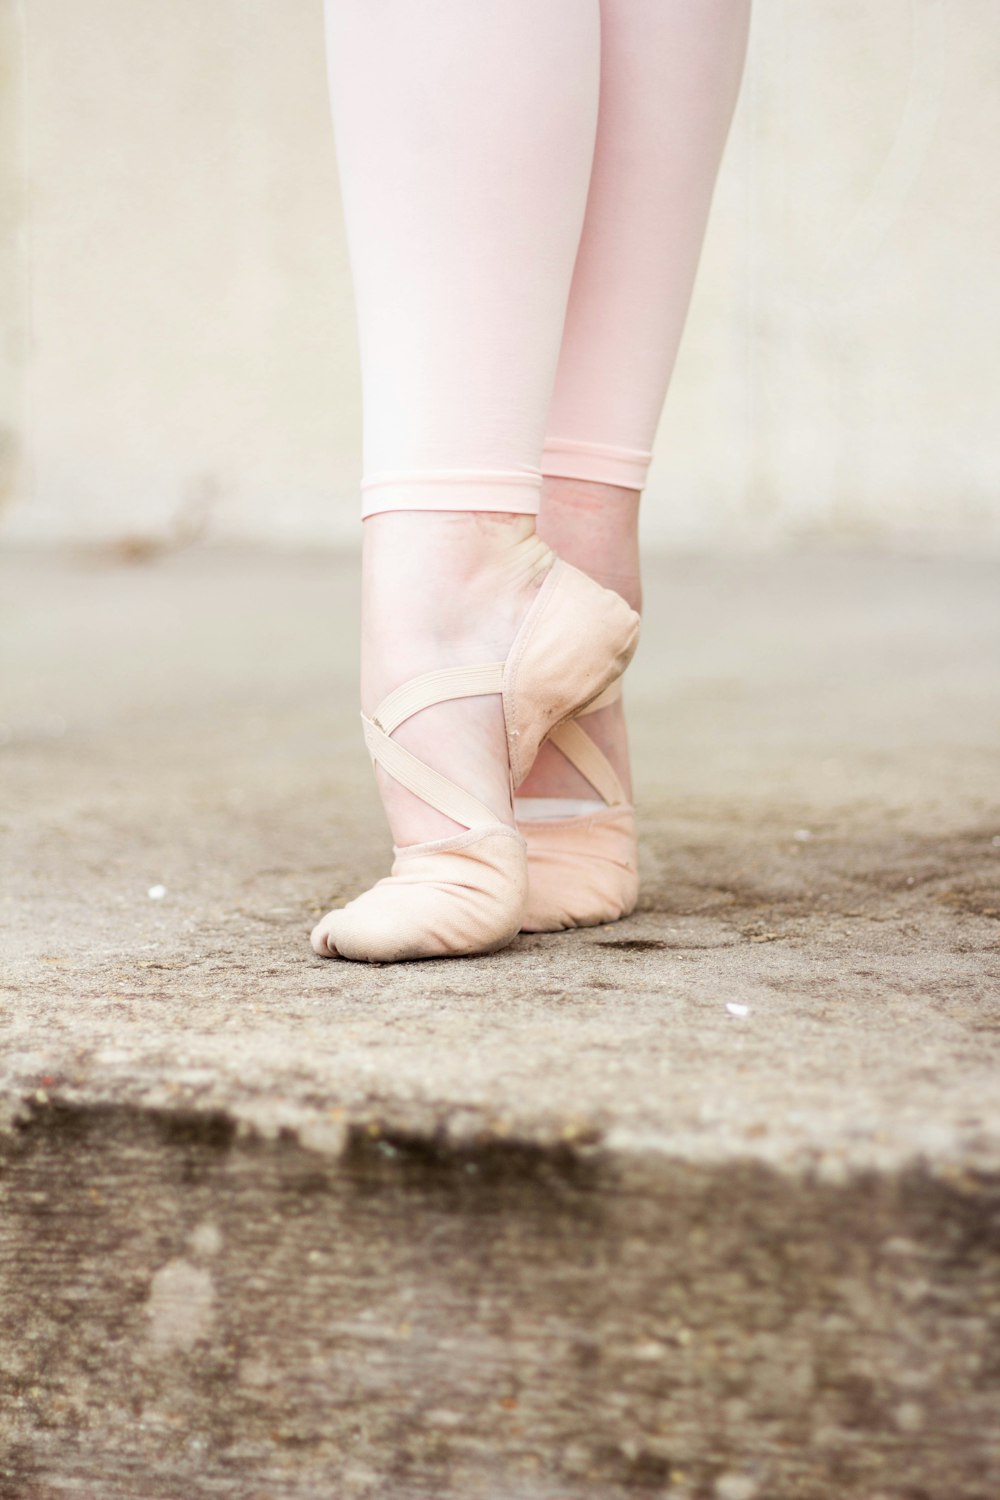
{"x":189,"y":1310}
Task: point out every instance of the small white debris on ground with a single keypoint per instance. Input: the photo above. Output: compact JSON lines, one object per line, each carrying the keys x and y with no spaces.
{"x":156,"y":892}
{"x":180,"y":1306}
{"x":736,"y":1487}
{"x":802,"y":834}
{"x":736,"y":1009}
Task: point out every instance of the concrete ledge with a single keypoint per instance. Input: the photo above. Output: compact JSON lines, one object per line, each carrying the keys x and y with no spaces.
{"x":190,"y":1310}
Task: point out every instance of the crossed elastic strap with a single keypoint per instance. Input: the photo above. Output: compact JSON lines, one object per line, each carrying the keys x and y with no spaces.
{"x":408,"y":769}
{"x":475,"y":682}
{"x":581,"y":752}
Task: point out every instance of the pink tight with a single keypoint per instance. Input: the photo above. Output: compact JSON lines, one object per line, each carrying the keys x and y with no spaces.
{"x":526,"y":185}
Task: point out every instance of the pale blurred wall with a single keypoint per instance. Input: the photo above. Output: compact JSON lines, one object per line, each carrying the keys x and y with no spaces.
{"x":178,"y":338}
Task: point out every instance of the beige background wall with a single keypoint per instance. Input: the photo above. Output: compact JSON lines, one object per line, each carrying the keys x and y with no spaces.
{"x":178,"y":348}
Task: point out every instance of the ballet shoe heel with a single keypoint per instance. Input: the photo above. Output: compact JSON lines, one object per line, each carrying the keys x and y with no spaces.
{"x":576,"y":639}
{"x":469,"y":894}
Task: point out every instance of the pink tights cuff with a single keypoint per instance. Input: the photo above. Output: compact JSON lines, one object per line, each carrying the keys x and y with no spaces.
{"x":600,"y":463}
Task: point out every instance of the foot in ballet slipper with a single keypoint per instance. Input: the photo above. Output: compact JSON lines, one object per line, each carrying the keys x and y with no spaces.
{"x":469,"y":894}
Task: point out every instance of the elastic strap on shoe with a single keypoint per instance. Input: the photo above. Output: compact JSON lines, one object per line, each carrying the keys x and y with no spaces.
{"x":411,"y":772}
{"x":437,"y":687}
{"x":581,"y":752}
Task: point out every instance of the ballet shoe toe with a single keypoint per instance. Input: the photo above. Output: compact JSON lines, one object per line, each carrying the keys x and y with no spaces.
{"x":320,"y":938}
{"x":450,"y":898}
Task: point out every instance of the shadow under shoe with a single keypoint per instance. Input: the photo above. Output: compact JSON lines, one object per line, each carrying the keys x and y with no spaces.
{"x":582,"y":869}
{"x":468,"y":894}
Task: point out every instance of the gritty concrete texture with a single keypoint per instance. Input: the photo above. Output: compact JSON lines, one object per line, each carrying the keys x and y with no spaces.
{"x":705,"y":1204}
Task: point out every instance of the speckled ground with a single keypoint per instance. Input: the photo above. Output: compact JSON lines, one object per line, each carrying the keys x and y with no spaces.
{"x":817,"y":740}
{"x":810,"y":991}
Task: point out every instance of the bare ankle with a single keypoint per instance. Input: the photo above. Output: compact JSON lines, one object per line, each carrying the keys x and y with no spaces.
{"x":448,"y":571}
{"x":463,"y":541}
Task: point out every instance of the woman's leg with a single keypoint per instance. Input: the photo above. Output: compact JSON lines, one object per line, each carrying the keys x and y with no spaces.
{"x":465,"y":138}
{"x":670,"y":72}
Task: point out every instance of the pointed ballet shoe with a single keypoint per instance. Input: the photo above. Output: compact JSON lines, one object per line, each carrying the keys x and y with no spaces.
{"x":582,"y":868}
{"x":468,"y":894}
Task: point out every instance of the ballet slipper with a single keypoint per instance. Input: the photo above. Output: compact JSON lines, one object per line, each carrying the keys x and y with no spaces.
{"x":583,"y":867}
{"x":468,"y":894}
